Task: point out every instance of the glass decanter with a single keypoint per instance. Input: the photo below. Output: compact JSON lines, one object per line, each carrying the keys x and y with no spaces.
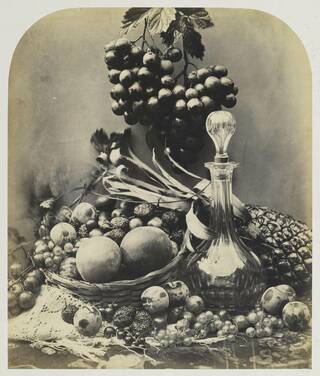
{"x":228,"y":275}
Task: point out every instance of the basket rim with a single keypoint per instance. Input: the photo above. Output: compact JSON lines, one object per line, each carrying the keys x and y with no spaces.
{"x":52,"y":276}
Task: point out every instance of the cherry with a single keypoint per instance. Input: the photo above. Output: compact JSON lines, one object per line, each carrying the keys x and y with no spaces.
{"x":174,"y":54}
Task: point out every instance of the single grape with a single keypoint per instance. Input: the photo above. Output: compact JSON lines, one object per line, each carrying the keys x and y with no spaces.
{"x":126,"y":78}
{"x":138,"y":107}
{"x":128,"y":340}
{"x":174,"y":54}
{"x":212,"y":327}
{"x":187,"y":341}
{"x":110,"y":46}
{"x":164,"y":343}
{"x":220,"y":71}
{"x":12,"y":299}
{"x":27,"y":300}
{"x":191,"y":93}
{"x":267,"y":331}
{"x":208,"y":104}
{"x":266,"y":322}
{"x":167,"y":81}
{"x":180,"y":107}
{"x":235,"y":90}
{"x":166,"y":67}
{"x":51,"y":245}
{"x":213,"y":85}
{"x":109,"y":332}
{"x":179,"y":123}
{"x":229,"y":101}
{"x":32,"y":284}
{"x":47,"y":254}
{"x":137,"y":54}
{"x":15,"y":270}
{"x":202,"y":318}
{"x":252,"y":317}
{"x":151,"y":60}
{"x":116,"y":108}
{"x":118,"y":91}
{"x":200,"y":89}
{"x":130,"y":118}
{"x":114,"y":76}
{"x":193,"y":78}
{"x":123,"y":45}
{"x":203,"y":73}
{"x":150,"y":91}
{"x":145,"y":120}
{"x":195,"y":106}
{"x":227,"y":84}
{"x":38,"y":259}
{"x":233,"y":329}
{"x":37,"y":274}
{"x":124,"y":104}
{"x":179,"y":92}
{"x":135,"y":91}
{"x":153,"y":105}
{"x":111,"y":59}
{"x":164,"y":95}
{"x":145,"y":75}
{"x":203,"y":333}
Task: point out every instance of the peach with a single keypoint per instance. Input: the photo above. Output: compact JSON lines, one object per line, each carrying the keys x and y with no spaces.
{"x":63,"y":233}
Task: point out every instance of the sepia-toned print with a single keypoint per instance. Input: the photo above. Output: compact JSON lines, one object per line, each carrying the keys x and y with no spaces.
{"x":159,"y":191}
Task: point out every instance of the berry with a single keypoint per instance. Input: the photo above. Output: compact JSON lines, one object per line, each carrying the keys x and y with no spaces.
{"x":135,"y":91}
{"x":227,"y":85}
{"x":195,"y":304}
{"x":179,"y":91}
{"x":193,"y":78}
{"x":120,"y":222}
{"x":200,"y":89}
{"x":208,"y":104}
{"x":135,"y":222}
{"x":32,"y":284}
{"x":150,"y":91}
{"x":195,"y":105}
{"x":213,"y":85}
{"x":123,"y":45}
{"x":235,"y":90}
{"x":116,"y":235}
{"x":48,"y":262}
{"x":130,"y":118}
{"x":145,"y":75}
{"x":203,"y":73}
{"x":114,"y":76}
{"x":250,"y":332}
{"x":109,"y":332}
{"x":15,"y":270}
{"x":166,"y":67}
{"x":167,"y":81}
{"x":38,"y":259}
{"x":151,"y":60}
{"x":118,"y":91}
{"x":153,"y":105}
{"x":27,"y":300}
{"x":138,"y":107}
{"x":192,"y":93}
{"x":220,"y":71}
{"x":128,"y":340}
{"x":136,"y":54}
{"x":116,"y":108}
{"x":126,"y":77}
{"x":111,"y":59}
{"x":110,"y":46}
{"x":230,"y":101}
{"x":180,"y":107}
{"x":174,"y":54}
{"x":164,"y":95}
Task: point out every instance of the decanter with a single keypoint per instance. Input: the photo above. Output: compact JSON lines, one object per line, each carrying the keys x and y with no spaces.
{"x":228,"y":275}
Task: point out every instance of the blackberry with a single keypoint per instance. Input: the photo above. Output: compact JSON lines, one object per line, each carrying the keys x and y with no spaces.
{"x":83,"y":231}
{"x":142,"y":323}
{"x":144,"y":211}
{"x":116,"y":235}
{"x":124,"y":316}
{"x":120,"y":222}
{"x":170,"y":219}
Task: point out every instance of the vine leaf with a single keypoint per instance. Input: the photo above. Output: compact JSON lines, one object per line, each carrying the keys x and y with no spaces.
{"x":192,"y":43}
{"x":133,"y":17}
{"x":198,"y":17}
{"x":159,"y":19}
{"x":172,"y":34}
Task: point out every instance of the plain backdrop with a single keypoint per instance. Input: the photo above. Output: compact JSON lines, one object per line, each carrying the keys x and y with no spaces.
{"x":59,"y":95}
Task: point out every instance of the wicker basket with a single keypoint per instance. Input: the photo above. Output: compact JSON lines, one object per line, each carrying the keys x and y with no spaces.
{"x":121,"y":292}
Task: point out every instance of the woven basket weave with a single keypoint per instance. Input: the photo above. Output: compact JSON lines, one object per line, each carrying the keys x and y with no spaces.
{"x":122,"y":292}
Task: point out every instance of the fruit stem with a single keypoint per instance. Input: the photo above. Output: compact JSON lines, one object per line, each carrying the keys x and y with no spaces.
{"x":144,"y":32}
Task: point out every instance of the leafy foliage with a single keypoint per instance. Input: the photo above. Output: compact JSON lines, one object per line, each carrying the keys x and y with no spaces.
{"x":192,"y":43}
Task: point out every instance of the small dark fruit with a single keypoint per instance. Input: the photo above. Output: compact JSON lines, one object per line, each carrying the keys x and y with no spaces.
{"x":126,"y":77}
{"x":167,"y":81}
{"x":145,"y":75}
{"x":192,"y":93}
{"x":128,"y":340}
{"x":230,"y":101}
{"x":213,"y":85}
{"x":114,"y":76}
{"x":123,"y":45}
{"x":117,"y":109}
{"x":164,"y":95}
{"x":179,"y":91}
{"x":200,"y":89}
{"x":220,"y":71}
{"x":138,"y":107}
{"x":227,"y":85}
{"x":174,"y":54}
{"x":153,"y":105}
{"x":118,"y":91}
{"x":180,"y":107}
{"x":111,"y":59}
{"x":109,"y":332}
{"x":151,"y":60}
{"x":130,"y":118}
{"x":203,"y":73}
{"x":135,"y":91}
{"x":195,"y":105}
{"x":193,"y":78}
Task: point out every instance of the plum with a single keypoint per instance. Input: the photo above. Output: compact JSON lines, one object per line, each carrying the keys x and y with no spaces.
{"x":275,"y":298}
{"x":178,"y":292}
{"x":155,"y":299}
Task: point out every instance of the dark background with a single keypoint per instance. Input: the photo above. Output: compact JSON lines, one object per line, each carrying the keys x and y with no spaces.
{"x":59,"y":95}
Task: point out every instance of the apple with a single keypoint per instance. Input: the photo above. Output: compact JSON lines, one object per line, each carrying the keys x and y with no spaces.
{"x":63,"y":233}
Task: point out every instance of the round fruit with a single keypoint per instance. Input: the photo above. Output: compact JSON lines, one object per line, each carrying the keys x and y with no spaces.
{"x":126,"y":77}
{"x":135,"y":91}
{"x":68,"y":268}
{"x":208,"y":104}
{"x":109,"y":331}
{"x":153,"y":104}
{"x":160,"y":322}
{"x":111,"y":59}
{"x":104,"y":203}
{"x":195,"y":304}
{"x":195,"y":105}
{"x":200,"y":89}
{"x":164,"y":95}
{"x":151,"y":60}
{"x":227,"y":84}
{"x":145,"y":75}
{"x":145,"y":249}
{"x":192,"y":93}
{"x":203,"y":73}
{"x":118,"y":92}
{"x":275,"y":298}
{"x":213,"y":85}
{"x":296,"y":315}
{"x":155,"y":299}
{"x":250,"y":332}
{"x":83,"y":212}
{"x":174,"y":54}
{"x":241,"y":322}
{"x":135,"y":222}
{"x":220,"y":71}
{"x":130,"y":118}
{"x":193,"y":78}
{"x":87,"y":320}
{"x":138,"y":107}
{"x":180,"y":107}
{"x":12,"y":299}
{"x":179,"y":91}
{"x":156,"y":222}
{"x":150,"y":91}
{"x":116,"y":108}
{"x":15,"y":270}
{"x":16,"y":288}
{"x":114,"y":76}
{"x":178,"y":292}
{"x":110,"y":46}
{"x":32,"y":284}
{"x":27,"y":300}
{"x":38,"y":259}
{"x":166,"y":67}
{"x":230,"y":101}
{"x":136,"y":54}
{"x":252,"y":317}
{"x":98,"y":259}
{"x":63,"y":233}
{"x":167,"y":81}
{"x":123,"y":45}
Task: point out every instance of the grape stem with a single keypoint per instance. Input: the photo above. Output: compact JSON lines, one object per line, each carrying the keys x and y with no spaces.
{"x":144,"y":33}
{"x":185,"y":68}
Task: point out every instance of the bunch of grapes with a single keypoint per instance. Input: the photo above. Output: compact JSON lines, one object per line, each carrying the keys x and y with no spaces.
{"x":23,"y":288}
{"x":48,"y":255}
{"x":147,"y":92}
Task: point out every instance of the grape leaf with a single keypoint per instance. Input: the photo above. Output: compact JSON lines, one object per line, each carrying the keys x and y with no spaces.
{"x":159,"y":19}
{"x":172,"y":34}
{"x":198,"y":17}
{"x":133,"y":17}
{"x":192,"y":43}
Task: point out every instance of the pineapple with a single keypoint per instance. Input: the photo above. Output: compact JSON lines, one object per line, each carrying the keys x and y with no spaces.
{"x":283,"y":245}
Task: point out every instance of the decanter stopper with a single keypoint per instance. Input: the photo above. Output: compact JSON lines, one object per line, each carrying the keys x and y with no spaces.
{"x":221,"y":126}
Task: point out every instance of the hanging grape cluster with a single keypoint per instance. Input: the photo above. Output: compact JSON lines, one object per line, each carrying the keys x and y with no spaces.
{"x":146,"y":91}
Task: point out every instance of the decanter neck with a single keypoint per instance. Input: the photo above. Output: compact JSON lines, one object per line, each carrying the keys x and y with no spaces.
{"x":221,"y":200}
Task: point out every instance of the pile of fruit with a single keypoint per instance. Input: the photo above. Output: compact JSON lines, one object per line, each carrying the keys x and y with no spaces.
{"x":169,"y":316}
